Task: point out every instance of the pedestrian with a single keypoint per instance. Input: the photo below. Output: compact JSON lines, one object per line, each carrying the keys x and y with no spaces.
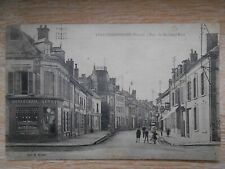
{"x":168,"y":132}
{"x":154,"y":136}
{"x":138,"y":135}
{"x":146,"y":136}
{"x":143,"y":131}
{"x":161,"y":131}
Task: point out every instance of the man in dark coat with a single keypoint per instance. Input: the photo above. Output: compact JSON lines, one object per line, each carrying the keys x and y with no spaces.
{"x":138,"y":135}
{"x":143,"y":131}
{"x":146,"y":136}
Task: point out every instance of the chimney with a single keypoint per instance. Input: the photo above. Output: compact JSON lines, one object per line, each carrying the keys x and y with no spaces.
{"x":212,"y":40}
{"x":193,"y":56}
{"x":173,"y":73}
{"x":170,"y":82}
{"x":43,"y":32}
{"x":70,"y":66}
{"x":76,"y":72}
{"x":113,"y":81}
{"x":180,"y":69}
{"x":185,"y":65}
{"x":133,"y":94}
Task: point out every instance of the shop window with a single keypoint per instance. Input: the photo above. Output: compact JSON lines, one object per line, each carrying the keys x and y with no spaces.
{"x":27,"y":120}
{"x":49,"y":120}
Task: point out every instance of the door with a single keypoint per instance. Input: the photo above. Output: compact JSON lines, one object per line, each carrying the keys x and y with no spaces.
{"x":187,"y":123}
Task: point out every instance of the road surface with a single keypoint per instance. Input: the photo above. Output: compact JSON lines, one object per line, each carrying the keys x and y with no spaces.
{"x":121,"y":146}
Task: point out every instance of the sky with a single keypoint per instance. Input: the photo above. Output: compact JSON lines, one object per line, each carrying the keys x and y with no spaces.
{"x":139,"y":53}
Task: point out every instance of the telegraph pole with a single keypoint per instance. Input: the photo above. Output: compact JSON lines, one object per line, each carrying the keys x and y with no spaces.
{"x":60,"y":34}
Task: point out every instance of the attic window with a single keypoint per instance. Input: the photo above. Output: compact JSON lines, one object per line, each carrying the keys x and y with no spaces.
{"x":14,"y":34}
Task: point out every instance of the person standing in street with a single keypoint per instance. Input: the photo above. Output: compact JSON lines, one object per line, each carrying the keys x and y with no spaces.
{"x":138,"y":135}
{"x":143,"y":131}
{"x":146,"y":136}
{"x":154,"y":136}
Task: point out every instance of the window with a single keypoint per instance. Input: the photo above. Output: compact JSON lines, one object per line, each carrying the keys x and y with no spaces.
{"x":196,"y":118}
{"x":177,"y":96}
{"x":64,"y":121}
{"x":202,"y":83}
{"x":49,"y":83}
{"x":189,"y":90}
{"x":195,"y":87}
{"x":97,"y":108}
{"x":20,"y":83}
{"x":27,"y":120}
{"x":59,"y":86}
{"x":181,"y":95}
{"x":67,"y":121}
{"x":173,"y":99}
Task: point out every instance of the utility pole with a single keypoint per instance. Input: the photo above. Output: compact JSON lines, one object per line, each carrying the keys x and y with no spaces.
{"x":174,"y":66}
{"x":60,"y":34}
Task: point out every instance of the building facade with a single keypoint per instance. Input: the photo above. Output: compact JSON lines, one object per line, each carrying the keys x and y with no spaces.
{"x":44,"y":99}
{"x":193,"y":95}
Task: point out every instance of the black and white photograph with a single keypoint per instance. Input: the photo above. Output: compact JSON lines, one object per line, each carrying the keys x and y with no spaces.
{"x":112,"y":91}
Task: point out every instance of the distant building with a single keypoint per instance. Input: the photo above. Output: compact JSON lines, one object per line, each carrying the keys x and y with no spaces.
{"x":163,"y":106}
{"x":121,"y":118}
{"x":131,"y":108}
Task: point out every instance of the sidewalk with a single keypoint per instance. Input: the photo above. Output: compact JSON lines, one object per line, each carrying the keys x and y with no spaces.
{"x":83,"y":140}
{"x":184,"y":141}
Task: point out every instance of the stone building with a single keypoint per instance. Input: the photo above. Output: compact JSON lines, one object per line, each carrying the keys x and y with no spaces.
{"x":44,"y":99}
{"x":194,"y":96}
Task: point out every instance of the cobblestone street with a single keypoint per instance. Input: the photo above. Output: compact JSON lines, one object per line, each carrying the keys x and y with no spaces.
{"x":122,"y":146}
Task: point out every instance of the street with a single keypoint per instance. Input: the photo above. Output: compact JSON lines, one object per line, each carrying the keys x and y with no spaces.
{"x":121,"y":146}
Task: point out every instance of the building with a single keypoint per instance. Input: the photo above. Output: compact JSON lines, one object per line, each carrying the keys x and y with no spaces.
{"x":37,"y":79}
{"x":104,"y":86}
{"x":144,"y":113}
{"x":93,"y":112}
{"x":194,"y":96}
{"x":131,"y":108}
{"x":163,"y":106}
{"x":121,"y":116}
{"x":44,"y":99}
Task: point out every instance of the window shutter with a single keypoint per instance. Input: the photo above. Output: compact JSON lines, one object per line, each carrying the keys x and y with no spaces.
{"x":10,"y":83}
{"x":30,"y":82}
{"x":17,"y":83}
{"x":37,"y":83}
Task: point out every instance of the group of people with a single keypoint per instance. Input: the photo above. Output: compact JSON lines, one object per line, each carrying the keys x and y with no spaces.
{"x":145,"y":134}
